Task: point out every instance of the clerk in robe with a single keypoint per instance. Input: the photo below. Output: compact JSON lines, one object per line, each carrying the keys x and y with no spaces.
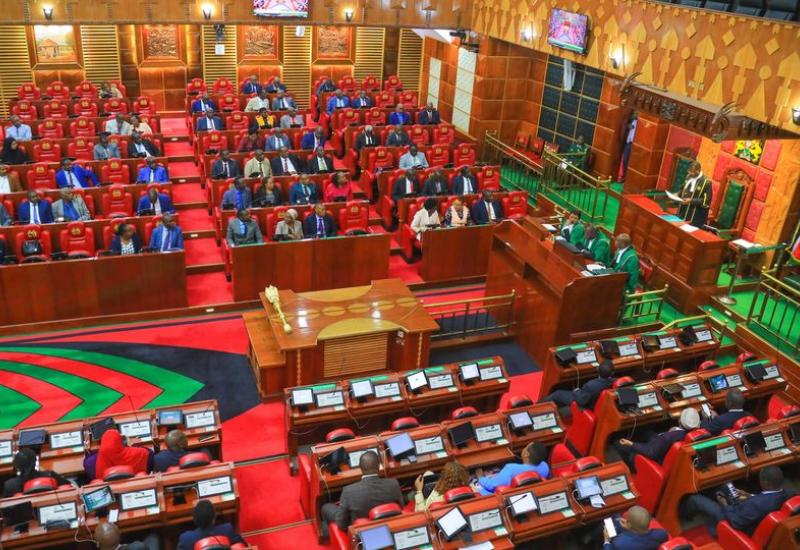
{"x":695,"y":196}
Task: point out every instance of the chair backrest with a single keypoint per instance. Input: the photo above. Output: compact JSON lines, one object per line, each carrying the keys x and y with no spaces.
{"x":354,"y":216}
{"x":49,"y":128}
{"x":339,"y":434}
{"x":82,"y":126}
{"x":515,"y":204}
{"x":229,"y":102}
{"x":413,"y":208}
{"x":443,"y":134}
{"x":196,"y":85}
{"x":380,"y":157}
{"x":676,"y":543}
{"x":458,"y":494}
{"x":41,"y":176}
{"x":522,"y":140}
{"x":375,"y":117}
{"x":370,"y":83}
{"x":115,"y":171}
{"x":81,"y":148}
{"x":383,"y":511}
{"x":223,"y":85}
{"x":581,"y":431}
{"x":115,"y":473}
{"x":586,"y":463}
{"x":746,"y":422}
{"x":384,"y":100}
{"x":144,"y":105}
{"x":194,"y":460}
{"x":419,"y":135}
{"x":464,"y":154}
{"x":75,"y":239}
{"x":25,"y":110}
{"x":489,"y":178}
{"x":623,"y":381}
{"x":33,"y":233}
{"x":55,"y":109}
{"x":29,"y":91}
{"x":86,"y":89}
{"x":392,"y":83}
{"x":438,"y":155}
{"x":117,"y":202}
{"x":463,"y":412}
{"x":409,"y":98}
{"x":215,"y":542}
{"x":237,"y":120}
{"x":405,"y":423}
{"x":521,"y":400}
{"x":39,"y":485}
{"x":666,"y":373}
{"x":115,"y":105}
{"x":788,"y":410}
{"x":348,"y":83}
{"x":525,"y":478}
{"x":708,"y":365}
{"x":732,"y":201}
{"x":57,"y":89}
{"x":46,"y":150}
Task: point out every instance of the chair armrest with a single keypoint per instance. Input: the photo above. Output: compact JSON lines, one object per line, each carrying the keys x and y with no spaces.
{"x":733,"y":539}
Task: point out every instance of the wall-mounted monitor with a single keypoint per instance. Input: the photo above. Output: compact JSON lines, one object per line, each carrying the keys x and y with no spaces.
{"x":281,"y":8}
{"x":568,"y":30}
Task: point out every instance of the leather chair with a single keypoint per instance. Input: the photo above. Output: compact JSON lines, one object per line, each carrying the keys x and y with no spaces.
{"x":375,"y":117}
{"x":115,"y":105}
{"x":378,"y":158}
{"x":677,"y":543}
{"x":51,"y":129}
{"x":409,"y":98}
{"x":339,"y":434}
{"x":408,"y":237}
{"x":117,"y":203}
{"x":443,"y":135}
{"x":237,"y":120}
{"x":116,"y":172}
{"x":76,"y":241}
{"x":215,"y":140}
{"x":82,"y":127}
{"x":788,"y":410}
{"x":144,"y":105}
{"x":383,"y":511}
{"x":419,"y":135}
{"x":215,"y":542}
{"x":46,"y":150}
{"x":370,"y":83}
{"x":405,"y":423}
{"x":194,"y":460}
{"x":348,"y":84}
{"x":116,"y":473}
{"x":733,"y":539}
{"x":438,"y":155}
{"x":519,"y":400}
{"x":463,"y":412}
{"x":489,"y":178}
{"x":223,"y":85}
{"x":229,"y":102}
{"x":393,"y":84}
{"x":25,"y":110}
{"x":33,"y":233}
{"x":525,"y":478}
{"x":353,"y":218}
{"x":346,"y":117}
{"x":29,"y":91}
{"x":663,"y":374}
{"x":745,"y":356}
{"x":708,"y":365}
{"x":39,"y":485}
{"x":459,"y":494}
{"x":515,"y":204}
{"x":41,"y":176}
{"x":86,"y":90}
{"x":464,"y":154}
{"x":55,"y":109}
{"x":57,"y":90}
{"x":196,"y":86}
{"x":81,"y":149}
{"x":585,"y":463}
{"x":384,"y":100}
{"x":85,"y":107}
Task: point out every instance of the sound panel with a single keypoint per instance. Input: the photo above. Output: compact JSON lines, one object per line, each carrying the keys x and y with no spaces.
{"x":100,"y":53}
{"x":15,"y":69}
{"x":219,"y":66}
{"x":409,"y":59}
{"x":345,"y":357}
{"x":297,"y":64}
{"x":370,"y":43}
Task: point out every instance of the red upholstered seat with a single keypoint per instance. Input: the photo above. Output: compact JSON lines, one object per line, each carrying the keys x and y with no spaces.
{"x":384,"y":511}
{"x":28,"y":91}
{"x":354,"y":217}
{"x":194,"y":460}
{"x":55,"y":108}
{"x":458,"y":494}
{"x":375,"y":117}
{"x":216,"y":542}
{"x":76,"y":241}
{"x":144,"y":105}
{"x":443,"y":135}
{"x":370,"y":83}
{"x":623,"y":381}
{"x":384,"y":100}
{"x":273,"y":218}
{"x":525,"y":478}
{"x":409,"y":98}
{"x":745,"y":356}
{"x":213,"y":140}
{"x":109,"y":231}
{"x":120,"y":86}
{"x":346,"y":117}
{"x":117,"y":203}
{"x":746,"y":422}
{"x":463,"y":412}
{"x":677,"y":543}
{"x":115,"y":171}
{"x":438,"y":155}
{"x":666,"y":373}
{"x":115,"y":105}
{"x":339,"y":434}
{"x":39,"y":485}
{"x":338,"y":538}
{"x":788,"y":410}
{"x":82,"y":126}
{"x":115,"y":473}
{"x":8,"y":204}
{"x":46,"y":150}
{"x":223,"y":85}
{"x":237,"y":120}
{"x":521,"y":400}
{"x":49,"y":128}
{"x":86,"y":89}
{"x":515,"y":204}
{"x":348,"y":84}
{"x":522,"y":140}
{"x":464,"y":155}
{"x":81,"y":149}
{"x":405,"y":423}
{"x":85,"y":107}
{"x":196,"y":86}
{"x":33,"y":233}
{"x":392,"y":84}
{"x":419,"y":135}
{"x":708,"y":365}
{"x":489,"y":178}
{"x":41,"y":176}
{"x":25,"y":110}
{"x":581,"y":431}
{"x":229,"y":102}
{"x":733,"y":539}
{"x":57,"y":90}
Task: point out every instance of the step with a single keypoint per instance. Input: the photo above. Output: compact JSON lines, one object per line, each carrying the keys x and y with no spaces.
{"x":200,"y":205}
{"x":204,"y":268}
{"x":199,"y":234}
{"x":189,"y":193}
{"x":196,"y":219}
{"x":202,"y":251}
{"x":210,"y":288}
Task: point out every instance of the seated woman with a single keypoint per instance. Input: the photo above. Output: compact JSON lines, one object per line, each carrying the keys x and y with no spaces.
{"x":338,"y":189}
{"x":139,"y":125}
{"x":289,"y":228}
{"x":426,"y":217}
{"x":268,"y":194}
{"x":457,"y":215}
{"x":114,"y":453}
{"x":126,"y":241}
{"x":453,"y":475}
{"x":534,"y":458}
{"x":13,"y":153}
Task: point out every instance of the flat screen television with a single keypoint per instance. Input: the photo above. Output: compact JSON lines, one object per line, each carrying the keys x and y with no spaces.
{"x":568,"y":30}
{"x":281,"y":8}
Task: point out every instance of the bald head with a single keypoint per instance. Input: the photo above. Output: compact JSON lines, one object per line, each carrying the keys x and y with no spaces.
{"x":107,"y":536}
{"x":638,"y":519}
{"x":176,"y":441}
{"x":369,"y":463}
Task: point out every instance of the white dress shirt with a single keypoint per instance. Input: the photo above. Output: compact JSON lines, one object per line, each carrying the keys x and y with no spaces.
{"x":5,"y":185}
{"x":422,"y":219}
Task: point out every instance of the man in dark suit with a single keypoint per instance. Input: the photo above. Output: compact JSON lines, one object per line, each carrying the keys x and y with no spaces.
{"x":74,"y":175}
{"x":337,"y":101}
{"x":405,"y":186}
{"x":658,"y":447}
{"x":154,"y":203}
{"x":204,"y":515}
{"x":695,"y":196}
{"x":275,"y":86}
{"x":35,"y":210}
{"x":277,"y":140}
{"x":429,"y":115}
{"x":634,"y":533}
{"x":487,"y":210}
{"x":203,"y":103}
{"x":367,"y":138}
{"x":283,"y":103}
{"x":319,"y":163}
{"x":312,"y":140}
{"x":304,"y":192}
{"x":359,"y":498}
{"x":327,"y":85}
{"x":748,"y":510}
{"x":108,"y":537}
{"x":285,"y":163}
{"x":177,"y":447}
{"x":397,"y":137}
{"x":465,"y":183}
{"x":251,"y":86}
{"x":239,"y":197}
{"x":399,"y":115}
{"x":436,"y":184}
{"x":243,"y":229}
{"x":225,"y":167}
{"x":167,"y":236}
{"x":139,"y":147}
{"x":363,"y":101}
{"x":24,"y":465}
{"x":585,"y":396}
{"x":734,"y":403}
{"x":209,"y":122}
{"x":319,"y":225}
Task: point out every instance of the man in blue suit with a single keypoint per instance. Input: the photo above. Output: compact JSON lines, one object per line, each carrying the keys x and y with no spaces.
{"x":152,"y":172}
{"x":167,"y":236}
{"x":283,"y":103}
{"x":204,"y":516}
{"x":465,"y":183}
{"x":35,"y":210}
{"x":734,"y":403}
{"x":399,"y":116}
{"x":304,"y":192}
{"x":275,"y":86}
{"x":312,"y":140}
{"x":203,"y":104}
{"x":251,"y":86}
{"x":747,"y":511}
{"x":429,"y":115}
{"x":634,"y":533}
{"x":74,"y":175}
{"x":338,"y":101}
{"x":319,"y":225}
{"x":487,"y":210}
{"x":277,"y":140}
{"x":209,"y":122}
{"x":154,"y":203}
{"x":363,"y":101}
{"x":239,"y":197}
{"x":585,"y":396}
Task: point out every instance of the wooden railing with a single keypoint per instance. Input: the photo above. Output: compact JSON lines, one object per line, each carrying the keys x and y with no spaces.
{"x":643,"y":307}
{"x":473,"y":317}
{"x":775,"y":310}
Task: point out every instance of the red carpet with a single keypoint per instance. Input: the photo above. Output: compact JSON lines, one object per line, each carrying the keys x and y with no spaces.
{"x":301,"y":537}
{"x":208,"y":289}
{"x":257,"y":433}
{"x":178,"y":149}
{"x":183,"y":169}
{"x":195,"y":219}
{"x":188,"y":192}
{"x":202,"y":251}
{"x":400,"y":269}
{"x":264,"y":509}
{"x":174,"y":126}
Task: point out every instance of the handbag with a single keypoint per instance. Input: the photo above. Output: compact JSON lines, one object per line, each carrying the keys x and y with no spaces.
{"x":31,"y":247}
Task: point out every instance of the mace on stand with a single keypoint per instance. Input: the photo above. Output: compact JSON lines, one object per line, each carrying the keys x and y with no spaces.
{"x":272,"y":296}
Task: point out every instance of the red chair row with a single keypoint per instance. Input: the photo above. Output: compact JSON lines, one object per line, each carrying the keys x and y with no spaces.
{"x":381,"y":100}
{"x":58,"y":90}
{"x":216,"y":188}
{"x":224,"y":85}
{"x":80,"y":126}
{"x":55,"y":108}
{"x":81,"y":148}
{"x":42,"y":175}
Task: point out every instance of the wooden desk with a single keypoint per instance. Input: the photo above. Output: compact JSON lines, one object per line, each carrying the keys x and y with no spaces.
{"x":784,"y":537}
{"x":346,"y":332}
{"x":641,"y":366}
{"x":552,"y":293}
{"x":688,"y":262}
{"x":310,"y":264}
{"x":200,"y":436}
{"x":184,"y":482}
{"x":134,"y":516}
{"x":409,"y":528}
{"x":455,"y":252}
{"x":37,"y":535}
{"x":92,"y":287}
{"x":68,"y":460}
{"x":8,"y":448}
{"x":537,"y":525}
{"x":547,"y":427}
{"x":476,"y":453}
{"x":491,"y":507}
{"x":613,"y":478}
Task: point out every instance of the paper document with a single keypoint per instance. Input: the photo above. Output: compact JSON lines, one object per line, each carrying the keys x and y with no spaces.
{"x":590,"y":267}
{"x":673,"y":196}
{"x":482,"y":546}
{"x":551,"y":228}
{"x":689,"y":228}
{"x":597,"y":501}
{"x":743,"y":243}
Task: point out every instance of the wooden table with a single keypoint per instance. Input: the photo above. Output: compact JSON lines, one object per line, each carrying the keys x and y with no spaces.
{"x":689,"y":262}
{"x":483,"y":508}
{"x":455,"y":252}
{"x":310,"y":264}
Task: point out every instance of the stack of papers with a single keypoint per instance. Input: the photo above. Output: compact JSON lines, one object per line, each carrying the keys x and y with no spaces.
{"x":743,"y":243}
{"x":689,"y":228}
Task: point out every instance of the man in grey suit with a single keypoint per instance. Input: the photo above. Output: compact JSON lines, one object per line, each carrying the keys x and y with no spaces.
{"x":105,"y":150}
{"x":70,"y":207}
{"x":360,"y":497}
{"x":239,"y":197}
{"x":243,"y":229}
{"x":282,"y":103}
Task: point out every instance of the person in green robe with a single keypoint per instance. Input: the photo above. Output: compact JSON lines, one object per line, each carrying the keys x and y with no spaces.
{"x":626,"y":261}
{"x":597,"y":246}
{"x":579,"y":152}
{"x":573,"y":230}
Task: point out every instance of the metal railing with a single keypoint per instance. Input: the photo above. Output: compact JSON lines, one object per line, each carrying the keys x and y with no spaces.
{"x":518,"y":172}
{"x":475,"y":316}
{"x":776,"y":311}
{"x":642,"y":307}
{"x":573,"y":187}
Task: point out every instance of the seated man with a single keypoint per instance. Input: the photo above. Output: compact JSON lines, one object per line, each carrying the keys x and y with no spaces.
{"x":204,"y":515}
{"x":585,"y":396}
{"x":237,"y":198}
{"x":262,"y":121}
{"x":24,"y":464}
{"x":436,"y":184}
{"x":118,"y":126}
{"x":104,"y":150}
{"x":320,"y":163}
{"x":282,"y":102}
{"x":9,"y":181}
{"x":734,"y":403}
{"x":319,"y":225}
{"x":596,"y":246}
{"x":405,"y":186}
{"x":534,"y":459}
{"x":108,"y":537}
{"x":429,"y":115}
{"x":166,"y":236}
{"x":275,"y":86}
{"x":258,"y":102}
{"x":465,"y":183}
{"x":277,"y":140}
{"x":177,"y":448}
{"x":209,"y":122}
{"x":18,"y":129}
{"x":367,"y":138}
{"x":487,"y":210}
{"x":303,"y":192}
{"x":286,"y":163}
{"x":152,"y":172}
{"x":140,"y":147}
{"x":292,"y":119}
{"x":326,"y":85}
{"x":203,"y":103}
{"x":225,"y":167}
{"x":258,"y":166}
{"x":399,"y":115}
{"x":338,"y":101}
{"x":397,"y":137}
{"x":658,"y":447}
{"x":747,"y":512}
{"x":572,"y":230}
{"x":413,"y":159}
{"x":251,"y":86}
{"x":634,"y":533}
{"x":70,"y":207}
{"x":5,"y":218}
{"x":74,"y":175}
{"x":243,"y":229}
{"x":35,"y":210}
{"x":154,"y":203}
{"x":312,"y":140}
{"x":363,"y":101}
{"x":360,"y":497}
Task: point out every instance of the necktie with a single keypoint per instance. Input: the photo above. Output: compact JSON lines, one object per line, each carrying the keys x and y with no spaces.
{"x":152,"y":175}
{"x":321,"y":161}
{"x":73,"y":181}
{"x":164,"y":239}
{"x":285,"y":166}
{"x":306,"y":191}
{"x":35,"y":213}
{"x":320,"y":227}
{"x":242,"y":228}
{"x":227,"y":170}
{"x":367,"y":139}
{"x":339,"y":102}
{"x":238,"y":199}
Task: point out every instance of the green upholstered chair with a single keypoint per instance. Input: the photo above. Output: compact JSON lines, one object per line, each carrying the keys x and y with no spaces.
{"x":729,"y":208}
{"x":681,"y":159}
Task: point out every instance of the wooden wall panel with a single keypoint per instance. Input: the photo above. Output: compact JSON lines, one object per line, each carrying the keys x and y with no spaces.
{"x":297,"y":64}
{"x":15,"y":69}
{"x":409,"y":59}
{"x":218,"y":66}
{"x":370,"y":49}
{"x":101,"y":56}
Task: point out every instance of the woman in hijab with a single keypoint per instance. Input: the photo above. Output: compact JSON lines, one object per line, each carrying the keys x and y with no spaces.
{"x":25,"y":469}
{"x":12,"y":153}
{"x":114,"y":453}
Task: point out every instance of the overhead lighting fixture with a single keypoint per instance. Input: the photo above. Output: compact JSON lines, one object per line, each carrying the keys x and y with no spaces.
{"x":528,"y":34}
{"x":348,"y":15}
{"x":208,"y":11}
{"x":617,"y":58}
{"x":796,"y":115}
{"x":47,"y":11}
